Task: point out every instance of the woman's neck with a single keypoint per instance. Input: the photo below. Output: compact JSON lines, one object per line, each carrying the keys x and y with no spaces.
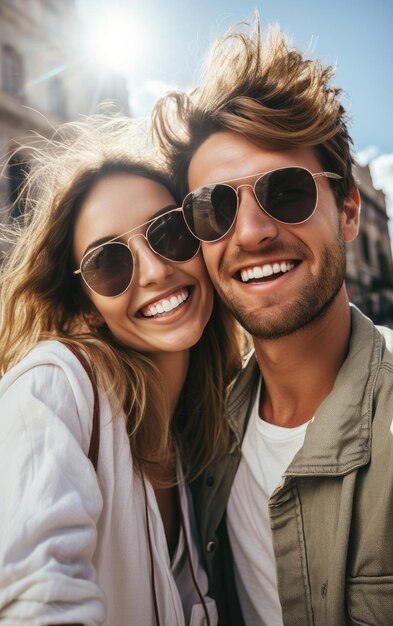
{"x":173,"y":367}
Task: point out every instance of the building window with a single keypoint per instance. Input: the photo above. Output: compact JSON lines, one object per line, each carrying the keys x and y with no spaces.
{"x":17,"y":172}
{"x":384,"y":269}
{"x":12,"y":71}
{"x":365,"y":247}
{"x":57,"y":99}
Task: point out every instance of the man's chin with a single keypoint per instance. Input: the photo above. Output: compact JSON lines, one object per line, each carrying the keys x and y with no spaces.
{"x":278,"y":321}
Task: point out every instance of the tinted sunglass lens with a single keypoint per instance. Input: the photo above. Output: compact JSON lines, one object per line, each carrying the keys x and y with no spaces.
{"x":210,"y":211}
{"x":108,"y":269}
{"x":288,"y":194}
{"x":170,"y":238}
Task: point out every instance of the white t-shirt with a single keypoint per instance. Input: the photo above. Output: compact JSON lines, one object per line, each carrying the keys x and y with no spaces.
{"x":267,"y":451}
{"x":73,"y":542}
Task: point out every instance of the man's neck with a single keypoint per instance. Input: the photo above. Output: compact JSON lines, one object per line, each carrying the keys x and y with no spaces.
{"x":299,"y":370}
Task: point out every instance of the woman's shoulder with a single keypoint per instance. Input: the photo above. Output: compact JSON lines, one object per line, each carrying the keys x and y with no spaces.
{"x":51,"y":373}
{"x":49,"y":352}
{"x":45,"y":355}
{"x":49,"y":391}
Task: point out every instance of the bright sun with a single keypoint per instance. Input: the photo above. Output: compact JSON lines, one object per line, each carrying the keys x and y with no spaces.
{"x":115,"y":41}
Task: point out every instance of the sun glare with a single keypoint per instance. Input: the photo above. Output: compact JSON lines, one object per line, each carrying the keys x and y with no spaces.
{"x":115,"y":41}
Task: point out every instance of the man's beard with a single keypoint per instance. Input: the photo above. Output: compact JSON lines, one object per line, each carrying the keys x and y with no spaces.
{"x":312,"y":302}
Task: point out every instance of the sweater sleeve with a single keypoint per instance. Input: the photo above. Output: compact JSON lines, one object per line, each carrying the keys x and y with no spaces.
{"x":50,"y":502}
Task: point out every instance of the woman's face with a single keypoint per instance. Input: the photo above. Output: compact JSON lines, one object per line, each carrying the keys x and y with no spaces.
{"x":116,"y":204}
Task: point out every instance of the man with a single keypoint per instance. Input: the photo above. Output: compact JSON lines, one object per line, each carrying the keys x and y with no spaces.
{"x":300,"y":508}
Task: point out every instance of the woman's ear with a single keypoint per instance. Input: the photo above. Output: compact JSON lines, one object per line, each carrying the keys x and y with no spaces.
{"x":94,"y":318}
{"x":351,"y":215}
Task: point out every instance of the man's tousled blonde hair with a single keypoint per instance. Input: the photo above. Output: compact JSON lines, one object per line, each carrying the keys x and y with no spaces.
{"x":260,"y":86}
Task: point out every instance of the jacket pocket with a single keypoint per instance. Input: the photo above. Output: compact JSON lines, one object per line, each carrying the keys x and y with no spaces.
{"x":370,"y":600}
{"x":198,"y":616}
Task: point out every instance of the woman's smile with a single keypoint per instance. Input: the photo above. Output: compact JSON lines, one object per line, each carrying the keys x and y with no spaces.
{"x":167,"y":304}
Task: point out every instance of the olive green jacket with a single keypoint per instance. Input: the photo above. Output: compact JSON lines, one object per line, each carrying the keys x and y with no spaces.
{"x":332,"y":515}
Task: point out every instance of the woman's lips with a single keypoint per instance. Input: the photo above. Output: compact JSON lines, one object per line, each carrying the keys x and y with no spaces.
{"x":164,"y":306}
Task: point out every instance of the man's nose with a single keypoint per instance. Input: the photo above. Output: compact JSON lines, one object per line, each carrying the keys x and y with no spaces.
{"x":253,"y":226}
{"x":150,"y":268}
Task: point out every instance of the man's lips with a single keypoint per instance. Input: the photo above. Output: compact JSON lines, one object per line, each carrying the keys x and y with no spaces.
{"x":265,"y":270}
{"x":167,"y":304}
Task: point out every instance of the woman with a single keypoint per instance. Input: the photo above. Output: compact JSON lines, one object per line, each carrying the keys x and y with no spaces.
{"x":105,"y":268}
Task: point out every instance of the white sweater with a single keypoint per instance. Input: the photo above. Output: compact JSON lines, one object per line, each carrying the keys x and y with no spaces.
{"x":73,"y":542}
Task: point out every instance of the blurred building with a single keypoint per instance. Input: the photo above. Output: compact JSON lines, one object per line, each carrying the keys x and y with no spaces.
{"x":369,"y":257}
{"x":46,"y":77}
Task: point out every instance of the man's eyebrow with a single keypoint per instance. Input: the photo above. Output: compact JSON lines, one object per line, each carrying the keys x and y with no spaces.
{"x":99,"y":242}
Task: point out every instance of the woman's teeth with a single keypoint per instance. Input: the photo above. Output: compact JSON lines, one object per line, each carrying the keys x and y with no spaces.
{"x":166,"y":305}
{"x":262,"y":271}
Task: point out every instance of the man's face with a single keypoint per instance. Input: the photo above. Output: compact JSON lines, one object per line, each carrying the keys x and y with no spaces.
{"x":305,"y":263}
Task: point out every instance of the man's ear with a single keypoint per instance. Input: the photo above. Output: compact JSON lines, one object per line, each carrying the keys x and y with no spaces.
{"x":351,"y":215}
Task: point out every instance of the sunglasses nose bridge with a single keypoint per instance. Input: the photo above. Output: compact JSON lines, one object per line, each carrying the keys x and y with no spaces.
{"x":243,"y":185}
{"x":253,"y":222}
{"x":149,"y":264}
{"x":138,"y":251}
{"x":252,"y":187}
{"x":134,"y":237}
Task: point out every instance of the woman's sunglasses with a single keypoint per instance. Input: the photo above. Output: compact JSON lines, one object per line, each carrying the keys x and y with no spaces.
{"x":108,"y":269}
{"x":288,"y":195}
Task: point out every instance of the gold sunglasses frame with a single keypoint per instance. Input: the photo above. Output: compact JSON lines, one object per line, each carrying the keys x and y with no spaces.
{"x":126,"y":245}
{"x":259,"y":176}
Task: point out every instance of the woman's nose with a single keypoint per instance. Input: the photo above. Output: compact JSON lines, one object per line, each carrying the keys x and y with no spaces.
{"x":150,"y":268}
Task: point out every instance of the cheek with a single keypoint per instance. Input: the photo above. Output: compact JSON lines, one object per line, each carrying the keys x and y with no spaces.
{"x":323,"y":227}
{"x":209,"y":297}
{"x":196,"y":268}
{"x":212,"y":253}
{"x":109,"y":310}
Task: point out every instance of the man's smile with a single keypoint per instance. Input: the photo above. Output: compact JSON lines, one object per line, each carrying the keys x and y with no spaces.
{"x":266,"y":270}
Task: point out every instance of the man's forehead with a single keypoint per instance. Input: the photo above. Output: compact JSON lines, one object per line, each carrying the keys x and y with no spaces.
{"x":226,"y":156}
{"x":219,"y":153}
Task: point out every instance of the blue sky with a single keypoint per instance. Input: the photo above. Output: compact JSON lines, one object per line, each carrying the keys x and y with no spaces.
{"x":355,"y":35}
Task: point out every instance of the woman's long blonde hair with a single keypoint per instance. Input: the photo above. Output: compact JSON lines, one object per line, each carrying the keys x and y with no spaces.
{"x":41,"y":299}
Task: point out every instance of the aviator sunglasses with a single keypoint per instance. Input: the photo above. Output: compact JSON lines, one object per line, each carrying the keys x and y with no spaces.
{"x":108,"y":269}
{"x":288,"y":195}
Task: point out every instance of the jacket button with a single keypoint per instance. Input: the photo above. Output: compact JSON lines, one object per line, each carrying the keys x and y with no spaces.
{"x":210,"y":481}
{"x":211,"y":546}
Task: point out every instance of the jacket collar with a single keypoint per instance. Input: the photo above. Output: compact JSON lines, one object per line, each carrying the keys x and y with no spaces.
{"x":241,"y":395}
{"x":338,"y":439}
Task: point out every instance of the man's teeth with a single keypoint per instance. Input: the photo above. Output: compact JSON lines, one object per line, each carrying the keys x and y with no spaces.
{"x":261,"y":271}
{"x":166,"y":305}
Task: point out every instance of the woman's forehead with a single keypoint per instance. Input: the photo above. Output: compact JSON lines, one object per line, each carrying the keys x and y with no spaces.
{"x":116,"y":204}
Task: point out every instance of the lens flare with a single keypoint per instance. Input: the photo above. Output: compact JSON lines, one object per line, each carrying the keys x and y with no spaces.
{"x":115,"y":41}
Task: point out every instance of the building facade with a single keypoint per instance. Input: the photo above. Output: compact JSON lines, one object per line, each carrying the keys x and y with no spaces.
{"x":46,"y":77}
{"x":369,"y":257}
